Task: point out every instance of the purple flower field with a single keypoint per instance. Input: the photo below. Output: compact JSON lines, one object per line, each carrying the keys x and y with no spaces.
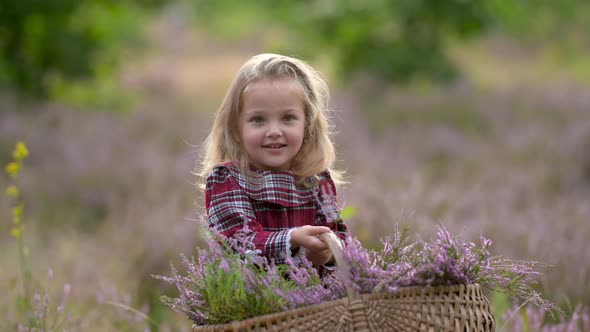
{"x":110,"y":198}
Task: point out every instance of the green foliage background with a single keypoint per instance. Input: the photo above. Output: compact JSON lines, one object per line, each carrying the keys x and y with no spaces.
{"x":52,"y":48}
{"x":397,"y":41}
{"x":47,"y":48}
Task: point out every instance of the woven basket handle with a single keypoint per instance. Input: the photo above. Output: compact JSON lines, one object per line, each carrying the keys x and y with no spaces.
{"x":336,"y":247}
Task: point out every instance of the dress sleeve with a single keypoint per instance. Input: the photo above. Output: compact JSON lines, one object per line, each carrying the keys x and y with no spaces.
{"x":230,"y":212}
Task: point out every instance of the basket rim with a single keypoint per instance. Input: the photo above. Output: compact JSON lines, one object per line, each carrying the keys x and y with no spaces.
{"x":402,"y":291}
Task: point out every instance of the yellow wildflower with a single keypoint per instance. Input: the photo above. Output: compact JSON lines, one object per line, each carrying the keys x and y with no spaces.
{"x":21,"y":151}
{"x":16,"y":219}
{"x":17,"y":213}
{"x":12,"y":191}
{"x":12,"y":169}
{"x":18,"y":210}
{"x":15,"y":232}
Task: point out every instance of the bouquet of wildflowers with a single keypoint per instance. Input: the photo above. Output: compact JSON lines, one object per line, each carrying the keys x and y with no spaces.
{"x":444,"y":261}
{"x":230,"y":282}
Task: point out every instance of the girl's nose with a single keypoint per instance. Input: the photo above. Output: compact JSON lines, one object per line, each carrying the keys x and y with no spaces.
{"x":274,"y":130}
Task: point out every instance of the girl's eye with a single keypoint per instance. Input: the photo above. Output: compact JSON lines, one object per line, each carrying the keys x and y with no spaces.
{"x":288,"y":117}
{"x":257,"y":119}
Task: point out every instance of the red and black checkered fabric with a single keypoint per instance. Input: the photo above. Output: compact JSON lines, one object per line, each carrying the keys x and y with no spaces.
{"x":263,"y":211}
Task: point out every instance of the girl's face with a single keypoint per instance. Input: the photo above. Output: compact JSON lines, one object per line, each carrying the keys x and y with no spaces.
{"x":272,"y":122}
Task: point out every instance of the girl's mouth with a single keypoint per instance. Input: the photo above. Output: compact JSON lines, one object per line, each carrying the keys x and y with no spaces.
{"x":274,"y":146}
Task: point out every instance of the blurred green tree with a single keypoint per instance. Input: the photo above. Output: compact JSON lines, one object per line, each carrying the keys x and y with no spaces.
{"x":397,"y":41}
{"x":394,"y":40}
{"x":45,"y":44}
{"x":43,"y":40}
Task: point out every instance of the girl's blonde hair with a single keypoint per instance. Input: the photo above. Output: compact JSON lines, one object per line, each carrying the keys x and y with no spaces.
{"x":317,"y":151}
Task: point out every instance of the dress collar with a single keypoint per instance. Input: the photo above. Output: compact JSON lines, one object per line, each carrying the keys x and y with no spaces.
{"x":278,"y":187}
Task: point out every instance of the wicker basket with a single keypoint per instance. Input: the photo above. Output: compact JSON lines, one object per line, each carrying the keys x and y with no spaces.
{"x":460,"y":308}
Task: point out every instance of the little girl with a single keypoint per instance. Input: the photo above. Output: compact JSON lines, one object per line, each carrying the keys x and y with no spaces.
{"x":268,"y":161}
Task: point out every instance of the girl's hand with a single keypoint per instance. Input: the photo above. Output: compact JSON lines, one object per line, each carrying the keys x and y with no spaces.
{"x":308,"y":237}
{"x":319,"y":257}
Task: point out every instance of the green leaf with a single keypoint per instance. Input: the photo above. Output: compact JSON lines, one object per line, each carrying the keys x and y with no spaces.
{"x":348,"y":212}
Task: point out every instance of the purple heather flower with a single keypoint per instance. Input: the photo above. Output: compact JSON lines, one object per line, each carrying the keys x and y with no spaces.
{"x":223,"y":265}
{"x":446,"y":260}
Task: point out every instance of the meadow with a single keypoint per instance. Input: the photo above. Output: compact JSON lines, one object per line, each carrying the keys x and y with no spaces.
{"x":110,"y":198}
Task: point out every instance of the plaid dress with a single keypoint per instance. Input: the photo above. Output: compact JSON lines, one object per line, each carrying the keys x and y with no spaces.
{"x":263,"y":212}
